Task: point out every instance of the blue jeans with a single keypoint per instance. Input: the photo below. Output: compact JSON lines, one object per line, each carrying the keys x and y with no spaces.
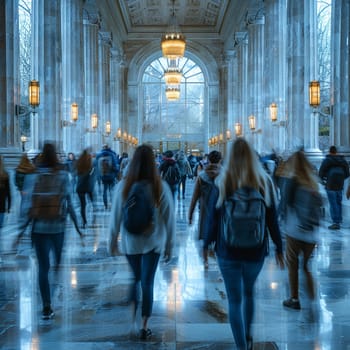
{"x":335,"y":209}
{"x":43,"y":244}
{"x":144,"y":267}
{"x":239,"y":278}
{"x":2,"y":217}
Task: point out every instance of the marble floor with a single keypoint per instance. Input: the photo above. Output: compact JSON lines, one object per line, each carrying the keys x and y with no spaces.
{"x":190,"y":310}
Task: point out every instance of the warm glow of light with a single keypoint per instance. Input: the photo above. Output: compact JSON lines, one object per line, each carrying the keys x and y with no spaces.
{"x":125,"y":136}
{"x":273,"y":112}
{"x":119,"y":133}
{"x":238,"y":129}
{"x":172,"y":77}
{"x":94,"y":121}
{"x":173,"y":45}
{"x":172,"y":93}
{"x":228,"y":134}
{"x":74,"y":112}
{"x":314,"y":93}
{"x":108,"y":128}
{"x":252,"y":122}
{"x":73,"y":278}
{"x":34,"y":93}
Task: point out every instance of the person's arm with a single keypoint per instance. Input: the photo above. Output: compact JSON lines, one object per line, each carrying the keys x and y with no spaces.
{"x":115,"y":220}
{"x":195,"y":196}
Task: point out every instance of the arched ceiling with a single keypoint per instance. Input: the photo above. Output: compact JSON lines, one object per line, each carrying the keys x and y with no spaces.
{"x":210,"y":23}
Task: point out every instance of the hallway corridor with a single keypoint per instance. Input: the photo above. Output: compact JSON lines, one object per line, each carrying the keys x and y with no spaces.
{"x":90,"y":301}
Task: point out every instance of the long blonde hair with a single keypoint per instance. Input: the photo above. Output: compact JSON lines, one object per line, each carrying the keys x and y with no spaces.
{"x":242,"y":168}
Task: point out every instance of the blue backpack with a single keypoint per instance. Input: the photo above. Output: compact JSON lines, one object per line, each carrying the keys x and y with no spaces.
{"x":138,"y":209}
{"x":243,"y":219}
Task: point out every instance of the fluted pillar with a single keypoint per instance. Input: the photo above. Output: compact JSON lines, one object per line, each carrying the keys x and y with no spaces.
{"x":302,"y":68}
{"x":232,"y":96}
{"x":275,"y":71}
{"x":72,"y":74}
{"x":105,"y":42}
{"x":255,"y":25}
{"x":340,"y":49}
{"x":91,"y":28}
{"x":47,"y":61}
{"x":241,"y":48}
{"x":9,"y":96}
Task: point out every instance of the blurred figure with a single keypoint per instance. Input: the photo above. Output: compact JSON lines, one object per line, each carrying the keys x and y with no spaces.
{"x":170,"y":172}
{"x":124,"y":162}
{"x":47,"y":233}
{"x":300,"y":239}
{"x":85,"y":182}
{"x":240,"y":267}
{"x":108,"y":170}
{"x":24,"y":168}
{"x":185,"y":171}
{"x":143,"y":250}
{"x":333,"y":171}
{"x":202,"y":188}
{"x":71,"y":164}
{"x":5,"y":192}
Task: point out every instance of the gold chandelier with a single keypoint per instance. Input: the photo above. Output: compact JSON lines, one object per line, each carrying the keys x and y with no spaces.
{"x":173,"y":42}
{"x":172,"y":93}
{"x":173,"y":75}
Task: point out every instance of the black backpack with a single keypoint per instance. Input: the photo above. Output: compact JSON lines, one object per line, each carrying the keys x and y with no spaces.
{"x":243,"y":219}
{"x":138,"y":209}
{"x":172,"y":175}
{"x":308,"y":208}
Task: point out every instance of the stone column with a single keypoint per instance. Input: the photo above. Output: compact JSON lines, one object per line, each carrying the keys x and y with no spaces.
{"x":9,"y":79}
{"x":105,"y":42}
{"x":91,"y":27}
{"x":255,"y":25}
{"x":340,"y":49}
{"x":72,"y":74}
{"x":232,"y":96}
{"x":241,"y":47}
{"x":275,"y":71}
{"x":302,"y":68}
{"x":47,"y":61}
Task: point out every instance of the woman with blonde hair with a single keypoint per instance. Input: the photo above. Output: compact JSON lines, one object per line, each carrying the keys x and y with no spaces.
{"x":143,"y":250}
{"x":240,"y":267}
{"x":299,"y":195}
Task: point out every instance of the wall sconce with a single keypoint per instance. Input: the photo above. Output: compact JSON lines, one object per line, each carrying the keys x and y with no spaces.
{"x":221,"y":137}
{"x":24,"y":139}
{"x":209,"y":142}
{"x":108,"y":128}
{"x":94,"y":121}
{"x":74,"y":112}
{"x":125,"y":136}
{"x":228,"y":134}
{"x":273,"y":112}
{"x":118,"y":134}
{"x":252,"y":124}
{"x":129,"y":138}
{"x":33,"y":99}
{"x":216,"y":139}
{"x":314,"y":93}
{"x":238,"y":129}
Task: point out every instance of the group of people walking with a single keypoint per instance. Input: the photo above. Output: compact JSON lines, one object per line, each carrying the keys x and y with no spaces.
{"x":218,"y":184}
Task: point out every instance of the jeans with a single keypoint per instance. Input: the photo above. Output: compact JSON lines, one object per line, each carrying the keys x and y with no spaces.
{"x":82,"y":198}
{"x":43,"y":244}
{"x":239,"y":278}
{"x":107,"y":187}
{"x":294,"y":248}
{"x":144,"y":267}
{"x":2,"y":217}
{"x":335,"y":209}
{"x":182,"y":186}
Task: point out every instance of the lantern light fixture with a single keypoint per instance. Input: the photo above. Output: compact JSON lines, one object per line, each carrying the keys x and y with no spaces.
{"x":108,"y":128}
{"x":119,"y":133}
{"x":173,"y":42}
{"x":24,"y":139}
{"x":252,"y":122}
{"x":74,"y":112}
{"x":228,"y":134}
{"x":94,"y":121}
{"x":34,"y":93}
{"x":238,"y":129}
{"x":314,"y":93}
{"x":273,"y":112}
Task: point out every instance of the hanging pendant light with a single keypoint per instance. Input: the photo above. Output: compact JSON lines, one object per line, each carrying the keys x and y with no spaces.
{"x":172,"y":93}
{"x":173,"y":75}
{"x":173,"y":42}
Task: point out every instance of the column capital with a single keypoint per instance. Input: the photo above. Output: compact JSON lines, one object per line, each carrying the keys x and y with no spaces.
{"x":106,"y":37}
{"x":91,"y":17}
{"x":240,"y":38}
{"x":255,"y":16}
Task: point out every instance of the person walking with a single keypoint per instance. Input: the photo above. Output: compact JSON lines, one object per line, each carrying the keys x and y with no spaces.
{"x":170,"y":172}
{"x":240,"y":267}
{"x":143,"y":251}
{"x":85,"y":182}
{"x":185,"y":171}
{"x":47,"y":212}
{"x":24,"y":168}
{"x":202,"y":188}
{"x":5,"y":193}
{"x":333,"y":171}
{"x":301,"y":236}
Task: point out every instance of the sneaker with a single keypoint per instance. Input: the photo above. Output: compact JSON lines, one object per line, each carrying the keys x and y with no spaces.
{"x":145,"y":334}
{"x":292,"y":304}
{"x":47,"y":313}
{"x":334,"y":227}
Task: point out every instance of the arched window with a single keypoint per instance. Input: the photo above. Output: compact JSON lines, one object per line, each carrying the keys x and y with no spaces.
{"x":174,"y":124}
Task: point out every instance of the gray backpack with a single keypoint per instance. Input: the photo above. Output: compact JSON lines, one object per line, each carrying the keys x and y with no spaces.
{"x":243,"y":219}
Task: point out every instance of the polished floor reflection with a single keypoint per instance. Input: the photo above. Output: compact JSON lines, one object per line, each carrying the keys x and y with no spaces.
{"x":190,"y":311}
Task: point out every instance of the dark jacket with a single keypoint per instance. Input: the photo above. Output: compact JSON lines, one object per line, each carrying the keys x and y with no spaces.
{"x":5,"y":194}
{"x":166,"y":163}
{"x":248,"y":254}
{"x":334,"y":170}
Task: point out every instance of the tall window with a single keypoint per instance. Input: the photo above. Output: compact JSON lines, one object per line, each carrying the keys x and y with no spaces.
{"x":179,"y":122}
